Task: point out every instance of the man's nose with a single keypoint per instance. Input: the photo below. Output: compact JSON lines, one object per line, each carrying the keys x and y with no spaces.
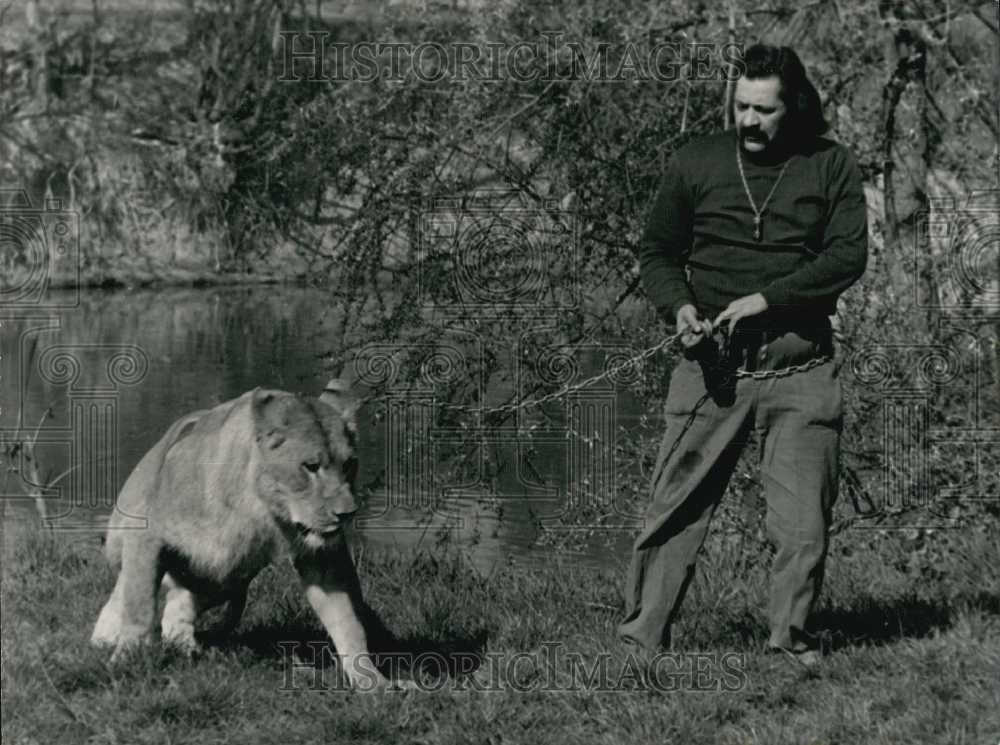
{"x":750,"y":118}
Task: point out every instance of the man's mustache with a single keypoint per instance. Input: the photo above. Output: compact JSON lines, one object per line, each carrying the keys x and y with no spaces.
{"x":753,"y":134}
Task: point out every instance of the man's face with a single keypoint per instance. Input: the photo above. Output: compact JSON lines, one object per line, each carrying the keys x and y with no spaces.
{"x":758,"y":111}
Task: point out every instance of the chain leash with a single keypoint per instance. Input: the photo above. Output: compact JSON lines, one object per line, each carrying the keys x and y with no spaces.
{"x":631,"y":362}
{"x":784,"y":371}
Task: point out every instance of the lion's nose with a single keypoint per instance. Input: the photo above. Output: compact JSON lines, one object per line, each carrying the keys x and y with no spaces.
{"x":335,"y":525}
{"x":335,"y":521}
{"x":344,"y":503}
{"x":345,"y":516}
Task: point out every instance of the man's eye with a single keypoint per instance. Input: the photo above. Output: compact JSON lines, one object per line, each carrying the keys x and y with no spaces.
{"x":312,"y":466}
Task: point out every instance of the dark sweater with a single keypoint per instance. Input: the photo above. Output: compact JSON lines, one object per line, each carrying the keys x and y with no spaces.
{"x":815,"y":230}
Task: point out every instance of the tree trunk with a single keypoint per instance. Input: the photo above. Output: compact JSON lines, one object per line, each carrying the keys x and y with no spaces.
{"x":727,"y":115}
{"x":36,"y":32}
{"x":904,"y":153}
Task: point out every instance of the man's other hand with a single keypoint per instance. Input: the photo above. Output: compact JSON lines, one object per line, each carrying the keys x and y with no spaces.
{"x":691,"y":328}
{"x":743,"y":307}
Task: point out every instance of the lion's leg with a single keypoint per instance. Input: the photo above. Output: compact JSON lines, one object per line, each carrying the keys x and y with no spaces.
{"x":179,"y":615}
{"x":109,"y":621}
{"x":333,"y":590}
{"x":234,"y":611}
{"x":141,"y":575}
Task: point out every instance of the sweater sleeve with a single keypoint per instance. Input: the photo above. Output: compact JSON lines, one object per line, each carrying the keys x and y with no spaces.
{"x":666,"y":244}
{"x":844,"y":254}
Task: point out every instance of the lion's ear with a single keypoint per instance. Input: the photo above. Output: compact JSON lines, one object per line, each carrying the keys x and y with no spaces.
{"x":270,"y":418}
{"x":337,"y":395}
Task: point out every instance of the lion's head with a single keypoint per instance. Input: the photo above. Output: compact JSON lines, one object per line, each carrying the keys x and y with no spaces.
{"x":307,"y":461}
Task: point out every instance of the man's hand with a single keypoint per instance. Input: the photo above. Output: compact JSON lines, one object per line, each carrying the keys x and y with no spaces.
{"x":750,"y":305}
{"x":691,"y":328}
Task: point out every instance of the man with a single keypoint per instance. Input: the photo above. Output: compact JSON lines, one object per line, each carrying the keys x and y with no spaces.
{"x":754,"y":234}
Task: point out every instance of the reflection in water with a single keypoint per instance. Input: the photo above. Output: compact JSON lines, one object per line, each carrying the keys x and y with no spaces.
{"x":104,"y":380}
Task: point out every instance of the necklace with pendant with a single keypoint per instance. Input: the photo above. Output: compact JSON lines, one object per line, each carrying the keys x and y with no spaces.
{"x":758,"y":227}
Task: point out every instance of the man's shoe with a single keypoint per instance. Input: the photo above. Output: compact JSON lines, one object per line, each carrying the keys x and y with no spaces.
{"x":808,"y":658}
{"x":633,"y":648}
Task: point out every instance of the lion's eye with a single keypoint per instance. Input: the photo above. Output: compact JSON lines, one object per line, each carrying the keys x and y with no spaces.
{"x":312,"y":466}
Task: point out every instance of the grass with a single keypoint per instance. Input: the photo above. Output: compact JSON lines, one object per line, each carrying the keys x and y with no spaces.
{"x":911,"y":661}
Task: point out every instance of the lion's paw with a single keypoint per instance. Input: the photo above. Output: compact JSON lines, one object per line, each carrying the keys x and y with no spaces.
{"x":382,"y":685}
{"x":184,"y":644}
{"x":404,"y":685}
{"x":129,"y":644}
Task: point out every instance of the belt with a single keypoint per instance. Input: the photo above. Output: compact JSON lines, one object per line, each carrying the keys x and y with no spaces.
{"x":720,"y":357}
{"x":748,"y":348}
{"x":747,"y":340}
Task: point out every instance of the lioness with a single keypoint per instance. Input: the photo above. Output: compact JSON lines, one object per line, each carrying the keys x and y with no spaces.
{"x":223,"y":493}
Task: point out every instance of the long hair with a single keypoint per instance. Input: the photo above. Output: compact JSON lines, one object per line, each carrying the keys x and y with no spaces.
{"x":805,"y":112}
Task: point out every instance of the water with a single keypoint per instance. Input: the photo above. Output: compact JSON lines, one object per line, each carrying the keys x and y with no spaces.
{"x":116,"y":368}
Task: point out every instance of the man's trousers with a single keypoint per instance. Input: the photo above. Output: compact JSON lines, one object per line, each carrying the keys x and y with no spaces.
{"x":799,"y":418}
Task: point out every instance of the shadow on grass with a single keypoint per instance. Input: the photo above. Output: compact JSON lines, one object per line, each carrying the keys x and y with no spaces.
{"x":453,"y":657}
{"x":874,"y":622}
{"x":866,"y":622}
